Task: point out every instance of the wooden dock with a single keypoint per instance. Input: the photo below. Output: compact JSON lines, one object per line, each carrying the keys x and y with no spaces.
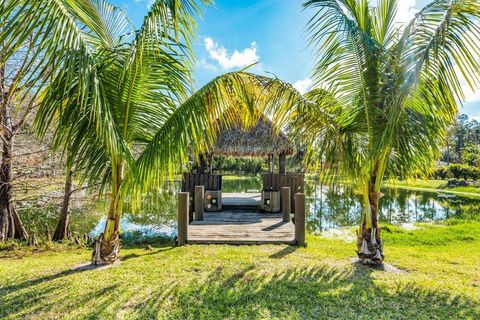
{"x":241,"y":227}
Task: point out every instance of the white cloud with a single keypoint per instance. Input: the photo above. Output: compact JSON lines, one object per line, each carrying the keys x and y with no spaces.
{"x":470,"y":95}
{"x":207,"y":66}
{"x":237,"y":59}
{"x":303,"y":85}
{"x":405,"y":11}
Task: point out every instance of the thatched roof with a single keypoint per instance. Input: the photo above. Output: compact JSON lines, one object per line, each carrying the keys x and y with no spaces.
{"x":258,"y":141}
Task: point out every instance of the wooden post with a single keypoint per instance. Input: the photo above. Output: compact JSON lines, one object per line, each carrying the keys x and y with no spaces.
{"x":182,"y":205}
{"x":203,"y":165}
{"x":210,"y":163}
{"x":199,"y":202}
{"x":286,"y":204}
{"x":300,"y":219}
{"x":270,"y":163}
{"x":282,"y":167}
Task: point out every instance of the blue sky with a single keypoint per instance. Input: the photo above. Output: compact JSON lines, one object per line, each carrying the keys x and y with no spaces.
{"x":235,"y":33}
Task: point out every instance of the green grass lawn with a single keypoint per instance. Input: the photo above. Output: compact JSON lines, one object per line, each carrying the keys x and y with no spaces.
{"x":435,"y":186}
{"x":439,"y":279}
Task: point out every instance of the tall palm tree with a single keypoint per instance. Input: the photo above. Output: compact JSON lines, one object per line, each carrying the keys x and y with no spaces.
{"x":119,"y":99}
{"x":134,"y":81}
{"x":124,"y":111}
{"x":396,"y":89}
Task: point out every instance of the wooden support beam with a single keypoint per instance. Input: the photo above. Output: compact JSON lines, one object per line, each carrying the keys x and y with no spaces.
{"x":300,"y":219}
{"x":282,"y":166}
{"x":210,"y":163}
{"x":182,"y":205}
{"x":270,"y":163}
{"x":203,"y":165}
{"x":199,"y":202}
{"x":286,"y":204}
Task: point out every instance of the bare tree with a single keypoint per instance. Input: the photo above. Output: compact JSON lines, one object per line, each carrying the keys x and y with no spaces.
{"x":17,"y":102}
{"x":62,"y":229}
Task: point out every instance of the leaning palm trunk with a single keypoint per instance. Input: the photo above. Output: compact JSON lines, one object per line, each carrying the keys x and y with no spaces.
{"x":107,"y":246}
{"x":369,"y":242}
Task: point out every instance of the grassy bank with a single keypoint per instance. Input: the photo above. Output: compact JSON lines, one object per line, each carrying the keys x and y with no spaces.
{"x":438,"y":276}
{"x":434,"y":186}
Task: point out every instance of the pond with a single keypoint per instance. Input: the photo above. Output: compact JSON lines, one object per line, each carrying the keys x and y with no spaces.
{"x":327,"y":207}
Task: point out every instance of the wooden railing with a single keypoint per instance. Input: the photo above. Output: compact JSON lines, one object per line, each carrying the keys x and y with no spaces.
{"x":276,"y":181}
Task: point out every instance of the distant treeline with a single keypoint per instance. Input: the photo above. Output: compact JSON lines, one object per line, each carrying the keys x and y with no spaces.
{"x":253,"y":165}
{"x":463,"y":142}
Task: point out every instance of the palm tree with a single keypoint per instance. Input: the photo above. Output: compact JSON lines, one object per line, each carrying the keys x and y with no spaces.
{"x":396,"y":88}
{"x":119,"y":99}
{"x":124,"y":109}
{"x":134,"y":80}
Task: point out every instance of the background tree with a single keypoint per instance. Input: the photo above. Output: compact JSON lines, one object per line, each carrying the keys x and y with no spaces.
{"x":396,"y":90}
{"x":34,"y":37}
{"x":464,"y":137}
{"x":15,"y":108}
{"x":63,"y":227}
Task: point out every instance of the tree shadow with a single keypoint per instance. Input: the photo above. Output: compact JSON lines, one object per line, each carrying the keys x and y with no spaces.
{"x":218,"y":290}
{"x":147,"y":253}
{"x":320,"y":292}
{"x":284,"y":252}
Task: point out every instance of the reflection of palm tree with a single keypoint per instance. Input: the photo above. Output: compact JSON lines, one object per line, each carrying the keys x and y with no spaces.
{"x":342,"y":203}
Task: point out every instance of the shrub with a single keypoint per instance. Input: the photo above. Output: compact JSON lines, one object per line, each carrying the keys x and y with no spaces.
{"x":462,"y":171}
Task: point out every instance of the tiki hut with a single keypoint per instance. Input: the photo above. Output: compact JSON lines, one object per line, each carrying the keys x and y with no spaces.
{"x":261,"y":140}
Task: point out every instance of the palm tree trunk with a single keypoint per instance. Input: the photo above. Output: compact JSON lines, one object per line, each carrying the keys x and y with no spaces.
{"x":369,"y":242}
{"x":62,"y":229}
{"x":107,"y":247}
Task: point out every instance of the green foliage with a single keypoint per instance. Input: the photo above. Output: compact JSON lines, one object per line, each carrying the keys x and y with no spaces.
{"x":386,"y":81}
{"x":395,"y":89}
{"x":463,"y":141}
{"x":457,"y":171}
{"x":250,"y":165}
{"x":471,"y":155}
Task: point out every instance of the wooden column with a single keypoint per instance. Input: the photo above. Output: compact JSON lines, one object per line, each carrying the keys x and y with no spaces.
{"x":203,"y":164}
{"x":182,"y":205}
{"x":286,"y":205}
{"x":282,"y":167}
{"x":270,"y":163}
{"x":199,"y":202}
{"x":300,"y":219}
{"x":210,"y":163}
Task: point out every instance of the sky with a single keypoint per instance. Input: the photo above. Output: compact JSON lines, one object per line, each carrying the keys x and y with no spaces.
{"x":234,"y":34}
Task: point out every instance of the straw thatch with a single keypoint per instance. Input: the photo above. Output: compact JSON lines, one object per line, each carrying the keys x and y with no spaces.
{"x":258,"y":141}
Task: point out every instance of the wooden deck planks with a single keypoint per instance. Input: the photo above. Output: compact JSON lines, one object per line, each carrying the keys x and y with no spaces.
{"x":241,"y":227}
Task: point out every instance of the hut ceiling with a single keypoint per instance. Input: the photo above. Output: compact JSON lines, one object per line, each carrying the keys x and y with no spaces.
{"x":259,"y":140}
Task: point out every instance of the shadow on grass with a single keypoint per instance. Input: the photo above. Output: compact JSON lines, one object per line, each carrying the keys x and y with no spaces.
{"x":251,"y":292}
{"x":284,"y":252}
{"x":147,"y":253}
{"x":314,"y":293}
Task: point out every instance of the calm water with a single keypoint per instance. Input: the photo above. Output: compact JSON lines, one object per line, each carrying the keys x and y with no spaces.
{"x":327,"y":206}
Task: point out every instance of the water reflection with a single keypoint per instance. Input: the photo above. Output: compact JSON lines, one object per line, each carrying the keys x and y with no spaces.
{"x":339,"y":206}
{"x":327,"y":206}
